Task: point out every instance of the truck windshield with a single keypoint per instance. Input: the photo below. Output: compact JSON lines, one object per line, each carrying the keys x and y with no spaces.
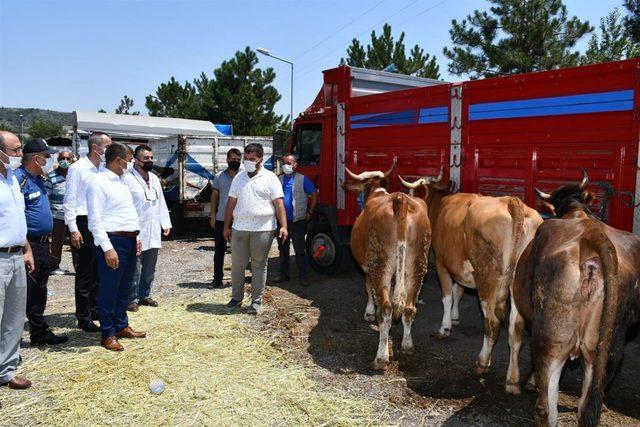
{"x":307,"y":144}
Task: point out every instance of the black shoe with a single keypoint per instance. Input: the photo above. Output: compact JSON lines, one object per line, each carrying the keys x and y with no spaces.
{"x":88,"y":327}
{"x":49,"y":338}
{"x":281,"y":279}
{"x":94,"y":316}
{"x":216,"y":284}
{"x":234,"y":304}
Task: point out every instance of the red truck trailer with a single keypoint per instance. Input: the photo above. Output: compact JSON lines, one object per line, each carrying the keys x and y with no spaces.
{"x":497,"y":136}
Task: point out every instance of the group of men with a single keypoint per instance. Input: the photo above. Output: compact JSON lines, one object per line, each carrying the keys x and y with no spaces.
{"x":248,"y":205}
{"x":114,"y":210}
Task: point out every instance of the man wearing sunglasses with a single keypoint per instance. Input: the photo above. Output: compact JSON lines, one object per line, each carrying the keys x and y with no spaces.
{"x":56,"y":184}
{"x":36,"y":163}
{"x":15,"y":253}
{"x":153,"y":216}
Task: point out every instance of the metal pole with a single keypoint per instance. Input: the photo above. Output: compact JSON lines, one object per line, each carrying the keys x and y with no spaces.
{"x":291,"y":117}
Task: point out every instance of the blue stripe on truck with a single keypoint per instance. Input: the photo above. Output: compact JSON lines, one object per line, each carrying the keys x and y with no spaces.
{"x":405,"y":117}
{"x":599,"y":102}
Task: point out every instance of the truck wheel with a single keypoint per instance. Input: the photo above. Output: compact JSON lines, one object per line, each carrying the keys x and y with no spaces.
{"x":325,"y":255}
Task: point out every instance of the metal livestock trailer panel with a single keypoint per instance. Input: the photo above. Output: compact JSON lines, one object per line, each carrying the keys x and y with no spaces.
{"x":539,"y":129}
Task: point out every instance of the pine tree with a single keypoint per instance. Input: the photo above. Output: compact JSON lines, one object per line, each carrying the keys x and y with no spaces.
{"x":613,"y":43}
{"x":515,"y":36}
{"x":126,"y":104}
{"x":385,"y":51}
{"x":173,"y":100}
{"x":632,"y":20}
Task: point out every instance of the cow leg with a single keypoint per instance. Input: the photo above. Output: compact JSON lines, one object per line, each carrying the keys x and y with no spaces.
{"x":458,"y":291}
{"x":548,"y":379}
{"x":370,"y":311}
{"x":587,"y":377}
{"x":491,"y":331}
{"x":383,"y":285}
{"x":446,"y":285}
{"x":516,"y":329}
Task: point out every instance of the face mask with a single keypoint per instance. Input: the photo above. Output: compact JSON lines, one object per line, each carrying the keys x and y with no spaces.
{"x":128,"y":169}
{"x":287,"y":169}
{"x":64,"y":164}
{"x":48,"y":167}
{"x":250,"y":166}
{"x":147,"y":166}
{"x":103,"y":157}
{"x":234,"y":165}
{"x":14,"y":162}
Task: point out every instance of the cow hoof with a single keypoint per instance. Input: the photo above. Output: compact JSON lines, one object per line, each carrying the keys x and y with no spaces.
{"x":455,"y":322}
{"x":380,"y":365}
{"x":531,"y":385}
{"x":369,"y":318}
{"x":481,"y":369}
{"x":407,"y":351}
{"x":513,"y":389}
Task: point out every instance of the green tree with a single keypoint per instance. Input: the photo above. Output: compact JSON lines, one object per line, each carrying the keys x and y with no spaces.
{"x":239,"y":93}
{"x":384,"y":51}
{"x":515,"y":36}
{"x":44,"y":129}
{"x":126,"y":104}
{"x":7,"y":127}
{"x":632,"y":20}
{"x":613,"y":43}
{"x":102,"y":110}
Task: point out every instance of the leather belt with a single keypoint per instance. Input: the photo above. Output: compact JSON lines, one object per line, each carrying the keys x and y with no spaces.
{"x":123,"y":233}
{"x":38,"y":239}
{"x":12,"y":249}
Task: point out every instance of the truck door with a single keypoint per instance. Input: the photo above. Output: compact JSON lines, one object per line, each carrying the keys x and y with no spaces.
{"x":307,"y":146}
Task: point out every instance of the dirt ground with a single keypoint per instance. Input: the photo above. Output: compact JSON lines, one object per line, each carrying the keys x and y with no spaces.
{"x":322,"y":328}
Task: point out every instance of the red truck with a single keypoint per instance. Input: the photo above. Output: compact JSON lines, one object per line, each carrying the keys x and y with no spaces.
{"x":497,"y":136}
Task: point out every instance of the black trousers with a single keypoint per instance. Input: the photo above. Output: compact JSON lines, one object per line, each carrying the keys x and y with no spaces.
{"x":86,"y":286}
{"x":297,"y":232}
{"x":220,"y":247}
{"x":37,"y":290}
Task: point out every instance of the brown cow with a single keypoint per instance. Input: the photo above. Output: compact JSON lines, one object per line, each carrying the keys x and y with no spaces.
{"x":477,"y":241}
{"x":390,"y":241}
{"x":577,"y":284}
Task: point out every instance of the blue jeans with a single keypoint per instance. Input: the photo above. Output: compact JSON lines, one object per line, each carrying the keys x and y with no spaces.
{"x":144,"y":275}
{"x":115,"y":285}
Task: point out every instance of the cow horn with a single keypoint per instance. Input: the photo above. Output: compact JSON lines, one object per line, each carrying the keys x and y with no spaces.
{"x":353,"y":175}
{"x":437,"y":179}
{"x":412,"y":185}
{"x":585,"y":180}
{"x":393,"y":166}
{"x":542,"y":195}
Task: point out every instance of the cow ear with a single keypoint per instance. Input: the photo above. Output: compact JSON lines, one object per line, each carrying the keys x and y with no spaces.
{"x":587,"y":198}
{"x":354,"y":186}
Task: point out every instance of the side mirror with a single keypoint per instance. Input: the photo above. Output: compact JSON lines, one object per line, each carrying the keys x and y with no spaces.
{"x":281,"y":142}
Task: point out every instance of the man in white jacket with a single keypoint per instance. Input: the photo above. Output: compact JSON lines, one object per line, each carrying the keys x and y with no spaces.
{"x":154,"y":221}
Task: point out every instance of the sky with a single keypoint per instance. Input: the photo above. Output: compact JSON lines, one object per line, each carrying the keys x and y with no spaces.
{"x":86,"y":55}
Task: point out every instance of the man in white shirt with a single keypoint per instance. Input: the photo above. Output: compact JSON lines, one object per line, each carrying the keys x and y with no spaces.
{"x":255,"y":198}
{"x":15,"y":253}
{"x":153,"y":216}
{"x":113,"y":221}
{"x":75,"y":217}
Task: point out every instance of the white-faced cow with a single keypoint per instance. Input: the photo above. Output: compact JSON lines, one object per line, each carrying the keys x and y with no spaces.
{"x":390,"y":242}
{"x":477,"y":241}
{"x":577,"y":285}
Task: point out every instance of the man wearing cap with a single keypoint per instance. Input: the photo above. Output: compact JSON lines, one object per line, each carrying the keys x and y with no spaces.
{"x":75,"y":217}
{"x":36,"y":163}
{"x":113,"y":221}
{"x":15,"y":253}
{"x":56,"y":184}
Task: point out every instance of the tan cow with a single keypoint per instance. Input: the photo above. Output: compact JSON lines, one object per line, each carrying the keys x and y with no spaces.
{"x":577,"y":285}
{"x":477,"y":241}
{"x":390,"y":241}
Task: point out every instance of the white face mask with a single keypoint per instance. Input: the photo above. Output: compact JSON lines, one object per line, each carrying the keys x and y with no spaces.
{"x":14,"y":162}
{"x":287,"y":169}
{"x":129,"y":168}
{"x":250,"y":166}
{"x":48,"y":166}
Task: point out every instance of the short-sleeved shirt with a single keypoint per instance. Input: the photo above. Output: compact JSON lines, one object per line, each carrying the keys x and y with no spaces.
{"x":56,"y":184}
{"x":287,"y":188}
{"x":12,"y":220}
{"x":222,"y":183}
{"x":254,"y":210}
{"x":36,"y":203}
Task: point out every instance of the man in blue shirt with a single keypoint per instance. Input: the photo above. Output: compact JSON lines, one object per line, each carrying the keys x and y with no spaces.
{"x":36,"y":162}
{"x":297,"y":190}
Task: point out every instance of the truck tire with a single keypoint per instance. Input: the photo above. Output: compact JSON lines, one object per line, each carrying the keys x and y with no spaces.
{"x":325,"y":255}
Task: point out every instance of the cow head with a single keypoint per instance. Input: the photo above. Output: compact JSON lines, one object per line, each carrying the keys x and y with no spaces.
{"x":567,"y":198}
{"x":423,"y":188}
{"x":368,"y":182}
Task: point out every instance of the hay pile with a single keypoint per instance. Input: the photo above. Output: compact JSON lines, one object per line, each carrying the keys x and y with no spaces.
{"x":217,"y":371}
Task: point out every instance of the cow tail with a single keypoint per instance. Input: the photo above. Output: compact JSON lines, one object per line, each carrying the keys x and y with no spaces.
{"x":610,"y":338}
{"x":400,"y":213}
{"x":516,"y":210}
